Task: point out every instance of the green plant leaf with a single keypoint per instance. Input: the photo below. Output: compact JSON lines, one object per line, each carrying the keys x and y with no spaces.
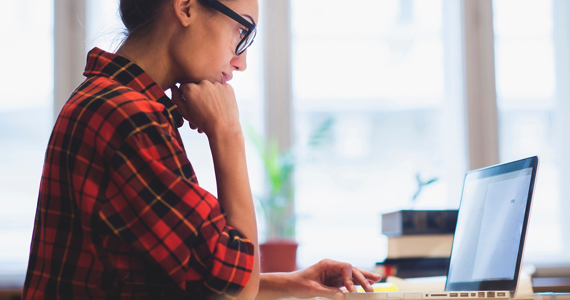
{"x":431,"y":181}
{"x":277,"y":205}
{"x":318,"y":137}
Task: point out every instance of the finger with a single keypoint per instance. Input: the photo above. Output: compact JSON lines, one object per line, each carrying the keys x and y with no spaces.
{"x":331,"y":293}
{"x":176,"y":95}
{"x":338,"y":296}
{"x":357,"y":275}
{"x":371,"y":276}
{"x":194,"y":127}
{"x":178,"y":99}
{"x":346,"y":272}
{"x":342,"y":269}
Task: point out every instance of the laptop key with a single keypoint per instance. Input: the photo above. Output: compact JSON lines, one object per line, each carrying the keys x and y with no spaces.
{"x":395,"y":295}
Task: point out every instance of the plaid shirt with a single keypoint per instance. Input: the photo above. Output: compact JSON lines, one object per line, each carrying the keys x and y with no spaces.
{"x":120,"y":213}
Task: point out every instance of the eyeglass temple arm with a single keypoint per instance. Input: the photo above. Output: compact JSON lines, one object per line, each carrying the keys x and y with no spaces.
{"x":230,"y":13}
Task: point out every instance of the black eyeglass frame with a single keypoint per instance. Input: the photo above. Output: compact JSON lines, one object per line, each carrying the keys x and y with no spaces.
{"x":251,"y":28}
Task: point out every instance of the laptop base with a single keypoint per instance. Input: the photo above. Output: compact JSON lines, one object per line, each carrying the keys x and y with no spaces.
{"x":429,"y":295}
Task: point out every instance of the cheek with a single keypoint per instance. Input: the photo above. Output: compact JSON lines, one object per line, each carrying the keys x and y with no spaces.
{"x":224,"y":38}
{"x":204,"y":63}
{"x":217,"y":51}
{"x":205,"y":54}
{"x":189,"y":60}
{"x":183,"y":63}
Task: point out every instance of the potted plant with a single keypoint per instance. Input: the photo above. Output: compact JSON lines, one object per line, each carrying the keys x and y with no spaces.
{"x":278,"y":251}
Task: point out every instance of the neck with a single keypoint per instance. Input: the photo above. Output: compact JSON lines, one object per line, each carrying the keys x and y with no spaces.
{"x":151,"y":55}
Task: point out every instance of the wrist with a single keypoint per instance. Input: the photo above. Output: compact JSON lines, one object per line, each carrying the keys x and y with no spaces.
{"x":222,"y":127}
{"x":226,"y":135}
{"x":289,"y":284}
{"x":275,"y":286}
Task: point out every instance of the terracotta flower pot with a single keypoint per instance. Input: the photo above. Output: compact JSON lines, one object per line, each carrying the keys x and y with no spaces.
{"x":278,"y":256}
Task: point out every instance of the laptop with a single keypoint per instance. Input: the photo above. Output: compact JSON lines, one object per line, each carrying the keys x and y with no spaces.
{"x":487,"y":250}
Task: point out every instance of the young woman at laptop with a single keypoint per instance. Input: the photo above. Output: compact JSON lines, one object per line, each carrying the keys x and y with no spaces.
{"x":120,"y":211}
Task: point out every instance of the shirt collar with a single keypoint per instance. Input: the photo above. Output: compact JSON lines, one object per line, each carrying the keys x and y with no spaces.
{"x":126,"y":72}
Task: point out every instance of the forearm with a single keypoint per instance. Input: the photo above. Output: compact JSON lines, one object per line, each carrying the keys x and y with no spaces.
{"x":234,"y":193}
{"x":273,"y":286}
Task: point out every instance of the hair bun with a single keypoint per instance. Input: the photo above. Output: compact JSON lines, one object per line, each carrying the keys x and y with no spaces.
{"x":138,"y":16}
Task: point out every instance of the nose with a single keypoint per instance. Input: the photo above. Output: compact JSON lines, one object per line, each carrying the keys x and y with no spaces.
{"x":239,"y":62}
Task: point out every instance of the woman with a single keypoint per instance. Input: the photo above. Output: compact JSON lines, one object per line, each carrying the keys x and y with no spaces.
{"x":120,"y":212}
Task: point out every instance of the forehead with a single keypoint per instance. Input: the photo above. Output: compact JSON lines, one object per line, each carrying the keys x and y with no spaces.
{"x":244,"y":8}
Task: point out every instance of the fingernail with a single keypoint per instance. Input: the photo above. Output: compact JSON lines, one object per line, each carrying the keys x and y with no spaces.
{"x":376,"y":274}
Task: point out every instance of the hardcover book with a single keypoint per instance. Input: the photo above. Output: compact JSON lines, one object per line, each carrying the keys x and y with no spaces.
{"x":418,"y":222}
{"x":432,"y":245}
{"x":413,"y":267}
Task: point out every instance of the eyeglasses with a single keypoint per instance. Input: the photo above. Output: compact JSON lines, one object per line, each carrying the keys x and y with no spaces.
{"x":248,"y":37}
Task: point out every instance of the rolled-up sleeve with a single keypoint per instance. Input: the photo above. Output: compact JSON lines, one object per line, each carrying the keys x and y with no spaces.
{"x":170,"y":220}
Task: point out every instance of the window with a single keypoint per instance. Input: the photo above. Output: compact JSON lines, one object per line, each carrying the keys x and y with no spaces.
{"x":25,"y":123}
{"x":528,"y":113}
{"x":378,"y":70}
{"x":385,"y":73}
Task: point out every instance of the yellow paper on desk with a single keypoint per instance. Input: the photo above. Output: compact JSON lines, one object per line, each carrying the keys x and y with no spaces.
{"x":381,"y":287}
{"x":436,"y":283}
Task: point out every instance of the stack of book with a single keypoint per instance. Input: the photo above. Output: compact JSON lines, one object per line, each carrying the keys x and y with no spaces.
{"x":419,"y":242}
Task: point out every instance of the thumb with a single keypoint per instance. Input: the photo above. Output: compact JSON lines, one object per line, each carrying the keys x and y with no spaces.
{"x":178,"y":99}
{"x":332,"y":293}
{"x":176,"y":94}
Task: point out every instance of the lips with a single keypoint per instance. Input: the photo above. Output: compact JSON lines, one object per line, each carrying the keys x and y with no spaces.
{"x":226,"y":77}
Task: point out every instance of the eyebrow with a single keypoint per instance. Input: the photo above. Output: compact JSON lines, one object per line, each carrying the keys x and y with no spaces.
{"x":252,"y":21}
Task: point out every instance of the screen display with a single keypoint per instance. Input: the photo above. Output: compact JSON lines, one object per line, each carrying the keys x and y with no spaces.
{"x":489,"y":227}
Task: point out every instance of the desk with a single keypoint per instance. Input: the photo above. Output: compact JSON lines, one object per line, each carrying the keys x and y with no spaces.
{"x":555,"y":285}
{"x":540,"y":285}
{"x":10,"y":294}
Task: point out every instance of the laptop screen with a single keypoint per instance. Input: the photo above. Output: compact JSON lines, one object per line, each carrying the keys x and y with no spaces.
{"x":491,"y":226}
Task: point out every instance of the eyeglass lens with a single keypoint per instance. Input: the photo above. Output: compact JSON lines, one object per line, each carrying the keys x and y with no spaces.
{"x":247,"y":41}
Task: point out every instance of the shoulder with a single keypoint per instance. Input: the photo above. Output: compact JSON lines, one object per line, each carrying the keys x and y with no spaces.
{"x":105,"y":113}
{"x":104,"y":100}
{"x":102,"y":93}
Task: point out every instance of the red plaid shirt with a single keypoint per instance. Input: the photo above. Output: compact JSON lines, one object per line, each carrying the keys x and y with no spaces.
{"x":120,"y":213}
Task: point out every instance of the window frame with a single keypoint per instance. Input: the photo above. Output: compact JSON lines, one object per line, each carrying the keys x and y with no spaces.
{"x":561,"y":10}
{"x":69,"y":51}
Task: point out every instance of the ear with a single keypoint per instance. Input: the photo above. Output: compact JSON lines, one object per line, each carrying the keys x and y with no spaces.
{"x":183,"y":10}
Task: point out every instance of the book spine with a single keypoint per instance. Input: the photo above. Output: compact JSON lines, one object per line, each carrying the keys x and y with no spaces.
{"x":413,"y":267}
{"x":419,"y":222}
{"x":427,"y":246}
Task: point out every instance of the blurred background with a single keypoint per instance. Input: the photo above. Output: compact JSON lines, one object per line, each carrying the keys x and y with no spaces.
{"x":428,"y":88}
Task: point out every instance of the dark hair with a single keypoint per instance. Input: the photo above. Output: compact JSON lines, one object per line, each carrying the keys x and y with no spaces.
{"x":139,"y":16}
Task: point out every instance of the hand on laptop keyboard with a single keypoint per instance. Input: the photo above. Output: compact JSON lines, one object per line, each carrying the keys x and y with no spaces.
{"x":326,"y":277}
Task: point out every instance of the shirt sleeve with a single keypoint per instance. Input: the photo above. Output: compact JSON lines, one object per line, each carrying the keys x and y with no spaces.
{"x":161,"y":213}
